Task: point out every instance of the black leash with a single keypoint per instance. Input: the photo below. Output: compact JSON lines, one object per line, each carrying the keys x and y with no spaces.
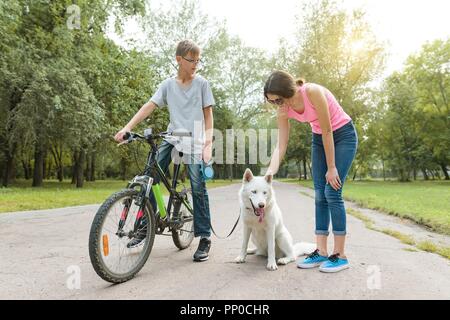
{"x":234,"y":227}
{"x":232,"y":230}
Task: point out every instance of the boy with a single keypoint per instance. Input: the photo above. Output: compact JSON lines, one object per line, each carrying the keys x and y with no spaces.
{"x":190,"y":100}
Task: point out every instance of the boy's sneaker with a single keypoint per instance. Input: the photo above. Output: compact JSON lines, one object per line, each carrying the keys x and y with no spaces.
{"x":334,"y":264}
{"x":313,"y":260}
{"x":140,"y":237}
{"x":203,"y":249}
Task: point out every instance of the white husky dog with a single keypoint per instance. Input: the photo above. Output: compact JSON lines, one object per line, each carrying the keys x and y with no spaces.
{"x":263,"y":221}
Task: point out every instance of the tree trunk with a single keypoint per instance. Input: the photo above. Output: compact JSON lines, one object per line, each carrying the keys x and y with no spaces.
{"x":26,"y":165}
{"x":74,"y":166}
{"x":44,"y":166}
{"x":310,"y":170}
{"x":38,"y":173}
{"x":305,"y":173}
{"x":438,"y":174}
{"x":6,"y":171}
{"x":9,"y":152}
{"x":403,"y":175}
{"x":432,"y":174}
{"x":88,"y":167}
{"x":425,"y":174}
{"x":9,"y":167}
{"x":60,"y":173}
{"x":49,"y":170}
{"x":444,"y":169}
{"x":355,"y":173}
{"x":26,"y":168}
{"x":92,"y":173}
{"x":57,"y":156}
{"x":81,"y":161}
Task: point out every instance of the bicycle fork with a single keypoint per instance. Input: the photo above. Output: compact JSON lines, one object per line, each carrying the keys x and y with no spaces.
{"x":141,"y":203}
{"x":124,"y":214}
{"x":123,"y":218}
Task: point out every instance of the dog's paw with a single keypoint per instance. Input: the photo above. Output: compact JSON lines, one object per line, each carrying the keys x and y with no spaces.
{"x":272,"y":266}
{"x":239,"y":259}
{"x":285,"y":260}
{"x":252,"y":251}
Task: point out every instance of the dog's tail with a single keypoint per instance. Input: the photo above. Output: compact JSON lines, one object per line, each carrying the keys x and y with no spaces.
{"x":302,"y":248}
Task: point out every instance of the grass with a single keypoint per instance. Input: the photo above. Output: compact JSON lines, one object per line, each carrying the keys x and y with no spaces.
{"x":367,"y":221}
{"x":410,"y":249}
{"x":424,"y":202}
{"x":427,"y":246}
{"x":54,"y":194}
{"x":431,"y":247}
{"x":404,"y":238}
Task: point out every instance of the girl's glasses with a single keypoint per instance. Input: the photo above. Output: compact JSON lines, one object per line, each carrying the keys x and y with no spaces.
{"x":278,"y":102}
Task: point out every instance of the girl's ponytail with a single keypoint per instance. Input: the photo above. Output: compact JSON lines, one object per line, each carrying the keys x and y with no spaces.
{"x":300,"y":82}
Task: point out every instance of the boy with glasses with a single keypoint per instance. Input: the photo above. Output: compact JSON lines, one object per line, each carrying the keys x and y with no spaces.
{"x":189,"y":99}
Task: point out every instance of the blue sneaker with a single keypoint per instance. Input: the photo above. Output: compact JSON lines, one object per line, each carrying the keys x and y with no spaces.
{"x":312,"y":260}
{"x":334,"y":264}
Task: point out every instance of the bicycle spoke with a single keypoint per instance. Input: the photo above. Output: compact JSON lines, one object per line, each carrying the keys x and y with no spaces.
{"x":121,"y":259}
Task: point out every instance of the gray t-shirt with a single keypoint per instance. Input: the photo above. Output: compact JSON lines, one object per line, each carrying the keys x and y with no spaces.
{"x":186,"y":110}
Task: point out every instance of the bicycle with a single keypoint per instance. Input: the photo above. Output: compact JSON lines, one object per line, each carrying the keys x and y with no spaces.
{"x":128,"y":215}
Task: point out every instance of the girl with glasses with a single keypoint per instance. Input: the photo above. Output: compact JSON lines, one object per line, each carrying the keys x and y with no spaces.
{"x":334,"y":145}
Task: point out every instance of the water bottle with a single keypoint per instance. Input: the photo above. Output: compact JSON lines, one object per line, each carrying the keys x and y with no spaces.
{"x":207,"y":170}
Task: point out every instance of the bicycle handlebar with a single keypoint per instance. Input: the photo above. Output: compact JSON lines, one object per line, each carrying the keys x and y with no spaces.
{"x":181,"y":134}
{"x":129,"y":137}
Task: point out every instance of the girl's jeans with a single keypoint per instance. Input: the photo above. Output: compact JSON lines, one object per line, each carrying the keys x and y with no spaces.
{"x":328,"y":201}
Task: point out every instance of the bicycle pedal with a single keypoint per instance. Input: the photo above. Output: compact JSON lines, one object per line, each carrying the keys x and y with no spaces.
{"x":175,"y":224}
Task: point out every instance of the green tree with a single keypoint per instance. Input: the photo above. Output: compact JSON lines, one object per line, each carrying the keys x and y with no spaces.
{"x":339,"y":51}
{"x":50,"y":73}
{"x":428,"y":73}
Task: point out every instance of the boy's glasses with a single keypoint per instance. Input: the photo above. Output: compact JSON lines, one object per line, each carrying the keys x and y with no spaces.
{"x":198,"y":62}
{"x":278,"y":102}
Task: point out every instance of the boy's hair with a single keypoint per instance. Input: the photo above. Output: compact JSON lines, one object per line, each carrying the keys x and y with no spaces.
{"x":186,"y":46}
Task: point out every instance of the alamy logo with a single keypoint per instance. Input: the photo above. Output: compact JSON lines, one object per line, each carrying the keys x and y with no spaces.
{"x":374,"y":279}
{"x":73,"y":282}
{"x":74,"y":17}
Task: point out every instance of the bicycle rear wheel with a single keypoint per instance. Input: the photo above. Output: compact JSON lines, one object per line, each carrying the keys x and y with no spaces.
{"x":109,"y":245}
{"x":183,"y":236}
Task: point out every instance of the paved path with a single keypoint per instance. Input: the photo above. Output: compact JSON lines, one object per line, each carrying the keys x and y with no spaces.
{"x":39,"y":248}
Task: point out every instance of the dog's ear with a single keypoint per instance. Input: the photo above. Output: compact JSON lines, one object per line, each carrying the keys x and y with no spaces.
{"x":268,"y":178}
{"x":248,"y":175}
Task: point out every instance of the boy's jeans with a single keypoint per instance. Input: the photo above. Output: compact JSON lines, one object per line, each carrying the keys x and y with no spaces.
{"x":329,"y":201}
{"x":202,"y":218}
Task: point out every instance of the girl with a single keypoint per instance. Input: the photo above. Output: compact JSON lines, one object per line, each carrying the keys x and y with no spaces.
{"x":334,"y":144}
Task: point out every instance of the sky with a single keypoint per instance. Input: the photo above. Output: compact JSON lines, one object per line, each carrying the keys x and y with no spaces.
{"x":404,"y":24}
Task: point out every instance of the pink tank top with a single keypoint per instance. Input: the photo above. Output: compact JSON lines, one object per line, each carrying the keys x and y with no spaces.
{"x":338,"y":116}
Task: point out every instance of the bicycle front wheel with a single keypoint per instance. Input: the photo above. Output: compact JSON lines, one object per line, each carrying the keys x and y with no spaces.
{"x":118,"y":250}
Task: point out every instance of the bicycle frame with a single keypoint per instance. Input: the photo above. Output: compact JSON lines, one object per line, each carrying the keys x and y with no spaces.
{"x":152,"y":166}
